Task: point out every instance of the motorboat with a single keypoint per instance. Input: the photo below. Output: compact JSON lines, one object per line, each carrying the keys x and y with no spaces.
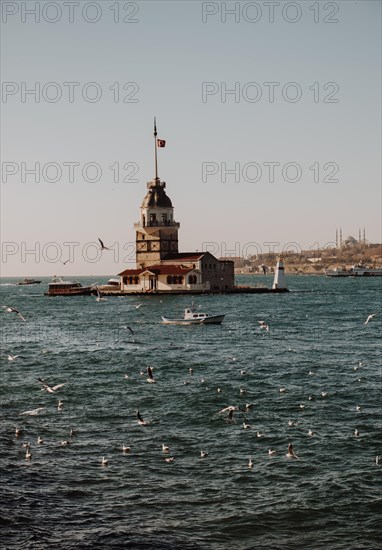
{"x":192,"y":317}
{"x":28,"y":282}
{"x":60,"y":287}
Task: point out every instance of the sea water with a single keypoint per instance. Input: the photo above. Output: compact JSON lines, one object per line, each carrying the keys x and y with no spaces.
{"x":318,"y":351}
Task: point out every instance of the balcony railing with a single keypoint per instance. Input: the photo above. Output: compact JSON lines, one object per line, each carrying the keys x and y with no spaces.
{"x":157,"y":223}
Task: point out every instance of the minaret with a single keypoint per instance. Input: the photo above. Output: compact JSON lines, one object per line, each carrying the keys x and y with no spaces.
{"x":279,"y":282}
{"x":337,"y":239}
{"x":156,"y":232}
{"x":341,"y":238}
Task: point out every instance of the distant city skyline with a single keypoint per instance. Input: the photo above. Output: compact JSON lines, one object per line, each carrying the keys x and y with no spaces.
{"x":271,"y":117}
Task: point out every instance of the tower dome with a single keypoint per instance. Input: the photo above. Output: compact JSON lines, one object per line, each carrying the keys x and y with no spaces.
{"x":156,"y":196}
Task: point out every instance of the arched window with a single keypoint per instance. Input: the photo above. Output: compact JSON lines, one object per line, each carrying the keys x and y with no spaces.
{"x":169,"y":279}
{"x":136,"y":280}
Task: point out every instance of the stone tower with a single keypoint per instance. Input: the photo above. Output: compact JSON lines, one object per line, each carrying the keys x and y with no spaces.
{"x":156,"y":232}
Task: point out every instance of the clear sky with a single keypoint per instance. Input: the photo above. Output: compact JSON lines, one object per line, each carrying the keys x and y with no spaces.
{"x":306,"y":105}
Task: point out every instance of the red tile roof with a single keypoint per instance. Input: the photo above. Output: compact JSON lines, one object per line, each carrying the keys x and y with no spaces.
{"x":131,"y":272}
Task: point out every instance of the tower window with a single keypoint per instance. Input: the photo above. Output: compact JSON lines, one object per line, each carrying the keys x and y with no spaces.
{"x":164,"y":217}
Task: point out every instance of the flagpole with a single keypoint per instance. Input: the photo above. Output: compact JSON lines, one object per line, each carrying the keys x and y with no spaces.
{"x":156,"y":156}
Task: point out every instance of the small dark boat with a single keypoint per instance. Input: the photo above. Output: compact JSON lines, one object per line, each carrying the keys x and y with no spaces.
{"x":29,"y":282}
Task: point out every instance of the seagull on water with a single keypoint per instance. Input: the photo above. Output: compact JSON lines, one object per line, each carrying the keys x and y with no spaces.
{"x":169,"y":458}
{"x":60,"y":405}
{"x":291,"y":423}
{"x":324,"y":394}
{"x":282,"y":390}
{"x":12,"y":357}
{"x":263,"y":325}
{"x":165,"y":448}
{"x":14,"y":310}
{"x":290,"y":452}
{"x":358,"y":408}
{"x":48,"y":388}
{"x":28,"y":454}
{"x":250,"y":463}
{"x":65,"y":442}
{"x":310,"y":433}
{"x":203,"y":454}
{"x":40,"y":440}
{"x":103,"y":247}
{"x":126,"y":449}
{"x":141,"y":422}
{"x":104,"y":461}
{"x":370,"y":317}
{"x":260,"y":434}
{"x":271,"y":452}
{"x":243,"y":391}
{"x":356,"y":432}
{"x":150,"y":375}
{"x":246,"y":426}
{"x":18,"y":432}
{"x":377,"y":460}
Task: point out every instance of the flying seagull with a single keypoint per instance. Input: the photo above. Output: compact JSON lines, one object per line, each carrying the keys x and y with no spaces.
{"x":50,"y":389}
{"x":291,"y":453}
{"x":35,"y":412}
{"x":14,"y":310}
{"x":230,"y":417}
{"x":103,"y":247}
{"x":150,"y":375}
{"x":141,"y":422}
{"x":370,"y":317}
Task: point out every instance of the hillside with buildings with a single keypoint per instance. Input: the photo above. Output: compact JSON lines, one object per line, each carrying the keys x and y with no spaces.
{"x":314,"y":261}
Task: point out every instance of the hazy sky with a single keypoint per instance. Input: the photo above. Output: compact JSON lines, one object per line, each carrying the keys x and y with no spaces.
{"x":291,"y":154}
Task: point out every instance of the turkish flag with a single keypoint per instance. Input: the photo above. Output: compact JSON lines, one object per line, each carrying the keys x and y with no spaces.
{"x":161,"y":142}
